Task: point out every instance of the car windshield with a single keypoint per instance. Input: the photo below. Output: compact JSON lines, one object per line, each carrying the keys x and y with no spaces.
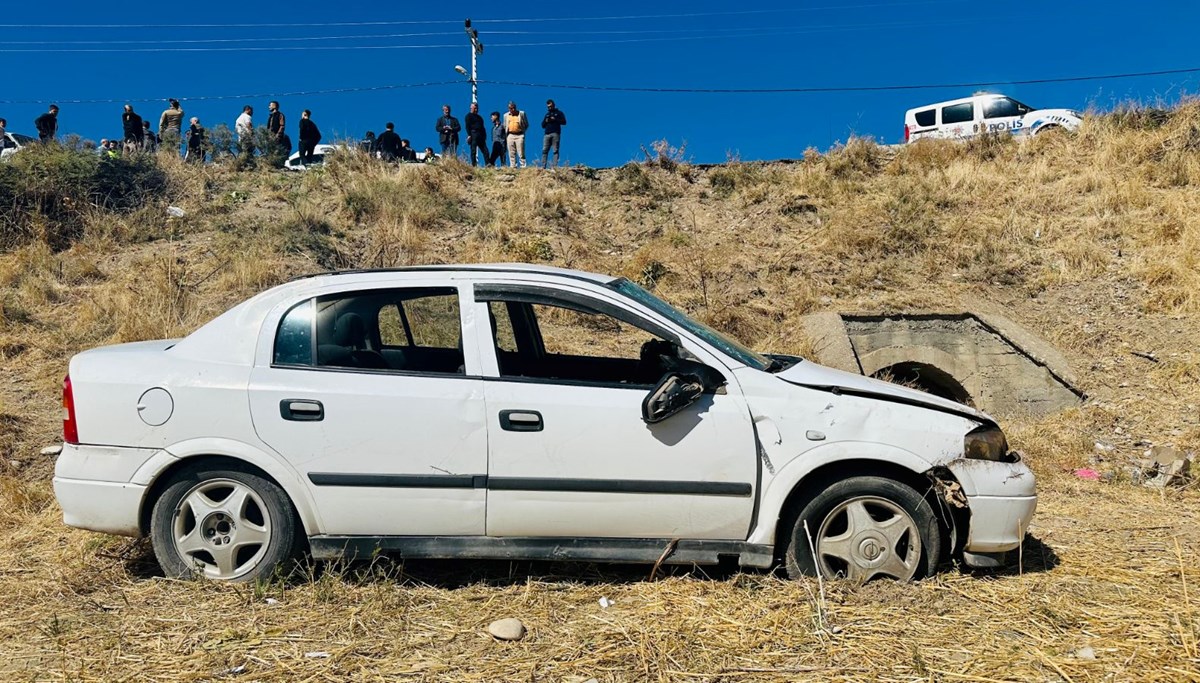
{"x":727,"y":345}
{"x":23,"y":139}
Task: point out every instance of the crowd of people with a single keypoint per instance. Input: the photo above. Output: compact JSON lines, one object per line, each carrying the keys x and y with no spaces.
{"x":507,"y":130}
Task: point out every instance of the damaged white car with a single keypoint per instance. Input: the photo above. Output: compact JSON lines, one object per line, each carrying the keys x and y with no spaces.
{"x":515,"y":411}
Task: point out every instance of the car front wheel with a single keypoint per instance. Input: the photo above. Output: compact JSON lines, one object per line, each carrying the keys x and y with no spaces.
{"x":223,"y":523}
{"x":863,"y":528}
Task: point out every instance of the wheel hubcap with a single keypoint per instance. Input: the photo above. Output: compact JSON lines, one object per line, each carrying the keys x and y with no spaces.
{"x":866,"y":537}
{"x":222,"y":528}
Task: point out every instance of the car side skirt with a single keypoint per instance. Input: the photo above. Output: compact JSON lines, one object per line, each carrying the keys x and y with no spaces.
{"x":636,"y":550}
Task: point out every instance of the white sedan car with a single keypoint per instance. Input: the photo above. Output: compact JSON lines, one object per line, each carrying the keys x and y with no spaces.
{"x":515,"y":411}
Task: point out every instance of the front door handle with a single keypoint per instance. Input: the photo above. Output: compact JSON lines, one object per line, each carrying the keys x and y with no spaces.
{"x":301,"y":410}
{"x":521,"y":420}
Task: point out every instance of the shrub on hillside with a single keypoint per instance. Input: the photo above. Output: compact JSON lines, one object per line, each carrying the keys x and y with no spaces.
{"x":46,"y":192}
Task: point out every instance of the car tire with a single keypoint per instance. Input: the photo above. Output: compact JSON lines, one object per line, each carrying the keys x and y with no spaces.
{"x":863,"y":528}
{"x":224,"y":523}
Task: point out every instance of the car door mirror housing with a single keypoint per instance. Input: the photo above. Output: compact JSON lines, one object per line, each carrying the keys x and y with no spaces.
{"x":673,"y":393}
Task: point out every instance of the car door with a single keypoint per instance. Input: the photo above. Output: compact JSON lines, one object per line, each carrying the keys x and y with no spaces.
{"x":370,"y":396}
{"x":568,"y":452}
{"x":1003,"y":115}
{"x":958,"y":120}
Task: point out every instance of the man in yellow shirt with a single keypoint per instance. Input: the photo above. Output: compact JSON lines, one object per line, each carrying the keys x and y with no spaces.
{"x":515,"y":123}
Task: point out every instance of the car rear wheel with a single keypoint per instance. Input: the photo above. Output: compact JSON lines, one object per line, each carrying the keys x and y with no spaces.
{"x":864,"y":528}
{"x":223,"y":523}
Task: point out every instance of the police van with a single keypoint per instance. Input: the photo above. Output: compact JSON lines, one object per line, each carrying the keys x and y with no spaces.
{"x":984,"y":113}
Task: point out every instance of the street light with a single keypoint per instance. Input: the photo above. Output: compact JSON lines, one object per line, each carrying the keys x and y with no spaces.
{"x":476,"y":50}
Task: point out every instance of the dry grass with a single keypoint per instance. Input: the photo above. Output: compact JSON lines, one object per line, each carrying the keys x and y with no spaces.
{"x":1090,"y":240}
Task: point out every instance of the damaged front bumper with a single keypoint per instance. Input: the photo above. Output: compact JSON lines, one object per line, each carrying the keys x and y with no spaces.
{"x":1001,"y":499}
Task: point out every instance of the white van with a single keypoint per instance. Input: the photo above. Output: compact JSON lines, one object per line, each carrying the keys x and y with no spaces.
{"x":984,"y":113}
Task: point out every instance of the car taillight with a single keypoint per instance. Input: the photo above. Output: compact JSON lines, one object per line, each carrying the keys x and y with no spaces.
{"x":70,"y":430}
{"x":907,"y":132}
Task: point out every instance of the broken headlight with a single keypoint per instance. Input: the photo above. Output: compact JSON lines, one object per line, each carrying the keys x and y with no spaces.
{"x":986,"y":443}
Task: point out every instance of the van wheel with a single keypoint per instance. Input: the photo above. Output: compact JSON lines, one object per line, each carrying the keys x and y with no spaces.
{"x":864,"y":528}
{"x":223,"y":523}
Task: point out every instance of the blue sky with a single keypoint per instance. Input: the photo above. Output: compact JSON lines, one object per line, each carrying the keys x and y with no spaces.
{"x":809,"y":43}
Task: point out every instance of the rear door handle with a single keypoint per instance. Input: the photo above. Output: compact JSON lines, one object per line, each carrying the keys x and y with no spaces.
{"x":521,"y":420}
{"x":301,"y":410}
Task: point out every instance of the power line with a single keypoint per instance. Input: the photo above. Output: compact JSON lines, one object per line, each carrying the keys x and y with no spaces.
{"x":807,"y":28}
{"x":701,"y":91}
{"x":252,"y":96}
{"x":760,"y":33}
{"x":498,"y":20}
{"x":832,"y":89}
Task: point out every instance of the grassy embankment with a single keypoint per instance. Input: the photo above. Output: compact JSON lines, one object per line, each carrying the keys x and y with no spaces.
{"x":1090,"y":240}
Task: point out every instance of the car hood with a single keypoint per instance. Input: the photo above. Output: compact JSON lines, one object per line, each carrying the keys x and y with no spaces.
{"x":814,"y":376}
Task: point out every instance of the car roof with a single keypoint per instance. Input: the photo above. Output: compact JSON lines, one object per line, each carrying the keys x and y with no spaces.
{"x":519,"y":268}
{"x":961,"y":100}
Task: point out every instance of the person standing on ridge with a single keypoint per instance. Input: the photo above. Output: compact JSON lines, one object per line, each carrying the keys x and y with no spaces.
{"x":476,"y":135}
{"x":447,"y":128}
{"x":552,"y":124}
{"x":170,"y":125}
{"x":310,"y":135}
{"x":499,"y":145}
{"x":388,"y":143}
{"x":276,"y":121}
{"x":131,"y":124}
{"x":515,"y":125}
{"x":47,"y":124}
{"x":149,"y":139}
{"x":244,"y":127}
{"x":195,"y":142}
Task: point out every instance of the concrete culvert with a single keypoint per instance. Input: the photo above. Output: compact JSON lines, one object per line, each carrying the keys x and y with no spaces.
{"x":980,"y":359}
{"x":927,"y":378}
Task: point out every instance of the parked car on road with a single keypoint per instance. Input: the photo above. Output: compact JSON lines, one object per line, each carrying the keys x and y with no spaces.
{"x":518,"y":411}
{"x":984,"y":113}
{"x":12,"y":143}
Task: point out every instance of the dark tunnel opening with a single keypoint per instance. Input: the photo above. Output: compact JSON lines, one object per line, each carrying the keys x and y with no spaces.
{"x":928,"y":378}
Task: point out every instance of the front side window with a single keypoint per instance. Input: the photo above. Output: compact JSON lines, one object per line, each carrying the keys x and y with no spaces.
{"x":959,"y":113}
{"x":568,"y":343}
{"x":1003,"y":107}
{"x":403,"y":330}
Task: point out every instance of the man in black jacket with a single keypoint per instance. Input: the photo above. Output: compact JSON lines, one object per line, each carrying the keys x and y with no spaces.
{"x":447,"y":128}
{"x":276,"y":122}
{"x":310,"y":135}
{"x":552,"y":124}
{"x":407,"y":153}
{"x":47,"y":124}
{"x":476,"y":135}
{"x":388,"y":143}
{"x":195,"y":142}
{"x":131,"y":123}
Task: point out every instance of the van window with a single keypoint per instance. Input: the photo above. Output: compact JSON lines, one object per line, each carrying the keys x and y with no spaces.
{"x":959,"y":113}
{"x":1002,"y":107}
{"x":927,"y":117}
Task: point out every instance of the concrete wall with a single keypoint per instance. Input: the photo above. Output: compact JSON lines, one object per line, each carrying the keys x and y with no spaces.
{"x":999,"y":375}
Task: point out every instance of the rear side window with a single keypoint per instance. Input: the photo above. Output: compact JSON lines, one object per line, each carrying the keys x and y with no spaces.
{"x":293,"y":341}
{"x":1002,"y":107}
{"x":403,"y":329}
{"x":959,"y":113}
{"x":927,"y":117}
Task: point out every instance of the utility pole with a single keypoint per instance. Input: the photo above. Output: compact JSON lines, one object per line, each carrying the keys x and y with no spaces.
{"x":476,"y":50}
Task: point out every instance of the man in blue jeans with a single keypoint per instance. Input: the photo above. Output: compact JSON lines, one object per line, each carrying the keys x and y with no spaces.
{"x":552,"y":124}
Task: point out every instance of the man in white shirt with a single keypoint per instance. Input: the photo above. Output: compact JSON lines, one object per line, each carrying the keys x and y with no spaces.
{"x":244,"y":127}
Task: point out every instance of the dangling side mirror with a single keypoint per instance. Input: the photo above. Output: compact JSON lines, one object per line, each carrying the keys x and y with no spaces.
{"x":673,"y":393}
